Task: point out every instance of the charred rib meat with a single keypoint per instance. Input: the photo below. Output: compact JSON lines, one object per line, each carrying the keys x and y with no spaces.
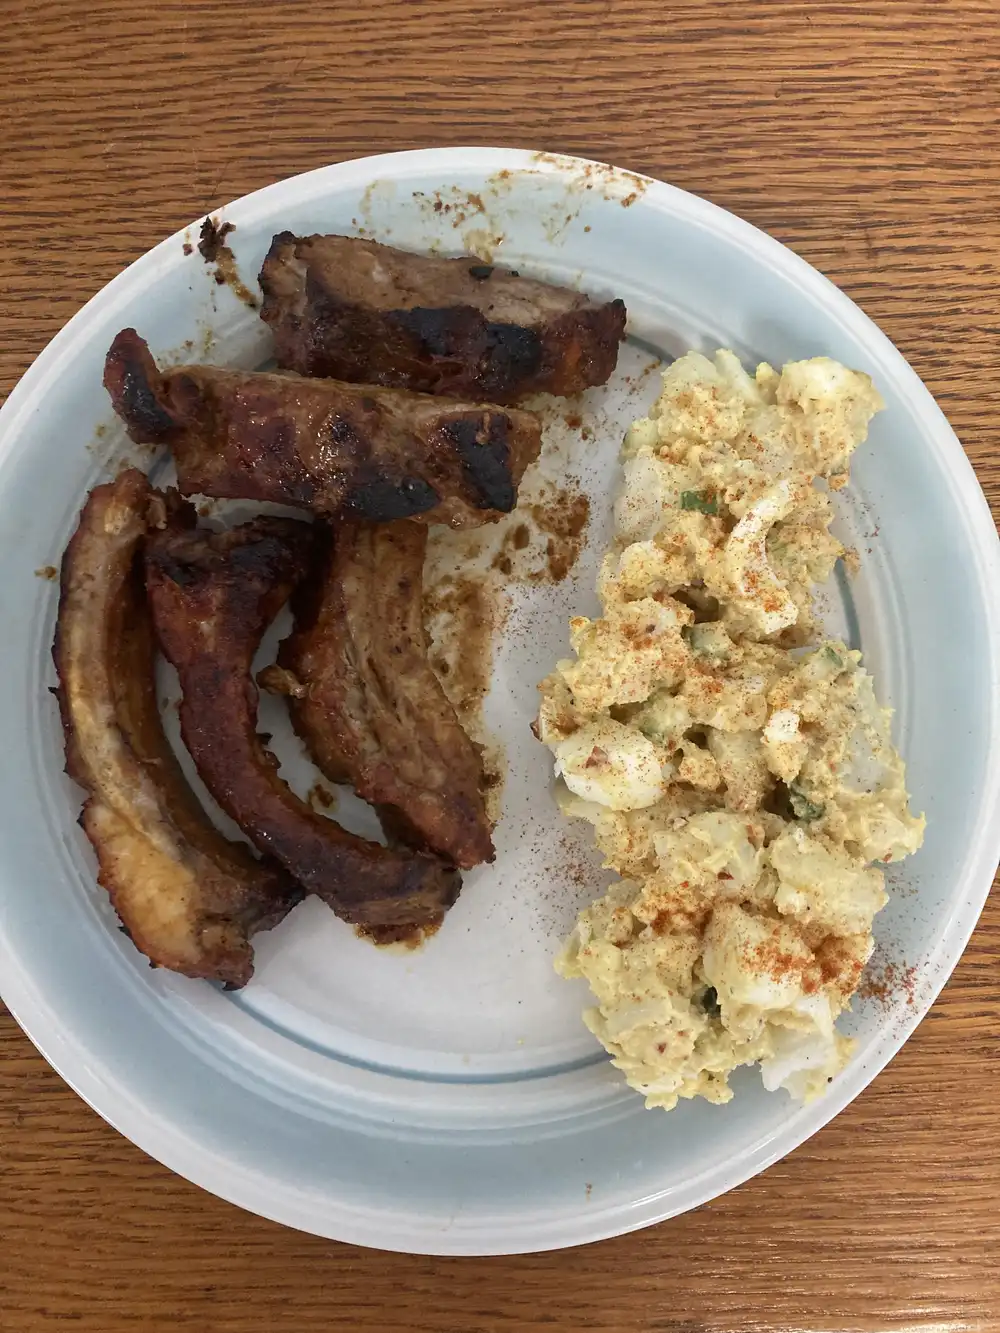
{"x":369,"y":453}
{"x":355,"y":310}
{"x":213,"y":595}
{"x":188,"y":897}
{"x":364,"y":697}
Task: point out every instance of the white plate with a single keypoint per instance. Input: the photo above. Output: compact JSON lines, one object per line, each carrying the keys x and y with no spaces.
{"x":450,"y":1101}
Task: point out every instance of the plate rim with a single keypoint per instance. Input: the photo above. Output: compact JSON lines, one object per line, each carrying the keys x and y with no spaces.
{"x":258,"y":1192}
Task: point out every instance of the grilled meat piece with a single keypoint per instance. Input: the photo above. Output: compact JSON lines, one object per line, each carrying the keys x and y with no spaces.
{"x":365,"y":700}
{"x":369,"y":453}
{"x":213,"y":595}
{"x":355,"y":310}
{"x":188,"y":897}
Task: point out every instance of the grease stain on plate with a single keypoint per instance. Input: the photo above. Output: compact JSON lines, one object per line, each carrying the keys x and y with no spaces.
{"x":469,"y":573}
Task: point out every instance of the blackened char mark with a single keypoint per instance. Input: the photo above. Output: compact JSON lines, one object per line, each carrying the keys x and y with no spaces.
{"x":265,"y":560}
{"x":481,"y":444}
{"x":178,"y":572}
{"x":143,"y":411}
{"x":345,"y":439}
{"x":374,"y":495}
{"x":135,"y":386}
{"x":382,"y":499}
{"x":502,"y":354}
{"x":513,"y":356}
{"x":444,"y":333}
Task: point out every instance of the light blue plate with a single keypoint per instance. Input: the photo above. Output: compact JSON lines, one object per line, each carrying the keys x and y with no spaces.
{"x":450,"y":1101}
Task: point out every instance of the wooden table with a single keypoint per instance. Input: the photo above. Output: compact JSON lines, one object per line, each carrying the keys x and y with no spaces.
{"x":864,"y":136}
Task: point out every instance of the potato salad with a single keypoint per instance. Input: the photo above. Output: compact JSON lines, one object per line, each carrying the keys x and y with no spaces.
{"x":738,"y":770}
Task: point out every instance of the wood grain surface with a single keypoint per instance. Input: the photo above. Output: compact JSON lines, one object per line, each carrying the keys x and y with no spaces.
{"x":862,"y":135}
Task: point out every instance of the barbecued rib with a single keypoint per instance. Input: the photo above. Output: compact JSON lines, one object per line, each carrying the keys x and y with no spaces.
{"x":188,"y":897}
{"x":213,"y":595}
{"x":370,"y":453}
{"x":364,"y":697}
{"x":355,"y":310}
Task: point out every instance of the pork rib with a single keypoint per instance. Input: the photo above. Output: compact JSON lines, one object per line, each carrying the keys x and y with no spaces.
{"x":356,"y":310}
{"x":364,"y":697}
{"x":188,"y":897}
{"x":213,"y":595}
{"x":370,"y":453}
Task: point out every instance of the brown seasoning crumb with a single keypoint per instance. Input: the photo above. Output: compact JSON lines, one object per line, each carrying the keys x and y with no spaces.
{"x":321,"y":798}
{"x":213,"y":249}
